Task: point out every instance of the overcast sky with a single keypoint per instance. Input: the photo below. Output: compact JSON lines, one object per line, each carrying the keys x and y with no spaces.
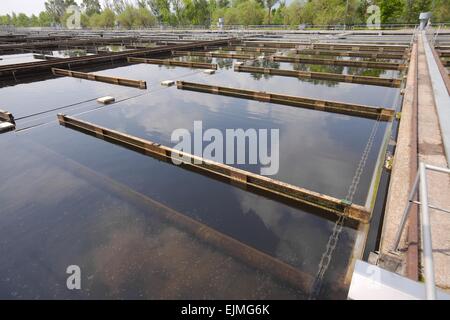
{"x":25,"y":6}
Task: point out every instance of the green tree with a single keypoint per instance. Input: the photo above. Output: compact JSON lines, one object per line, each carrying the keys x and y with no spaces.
{"x":45,"y":20}
{"x":119,"y":6}
{"x":295,"y":13}
{"x":57,"y":8}
{"x":14,"y":19}
{"x":332,"y":12}
{"x":91,"y":7}
{"x":413,"y":8}
{"x":356,"y":11}
{"x":391,"y":10}
{"x":146,"y":13}
{"x":106,"y":19}
{"x":441,"y":11}
{"x":23,"y":20}
{"x":361,"y":11}
{"x":34,"y":21}
{"x":231,"y":16}
{"x":269,"y":5}
{"x":250,"y":13}
{"x":178,"y":8}
{"x":161,"y":10}
{"x":137,"y":17}
{"x":5,"y":20}
{"x":141,"y":3}
{"x":197,"y":12}
{"x":144,"y":18}
{"x":223,"y":3}
{"x":218,"y":13}
{"x":279,"y":13}
{"x":127,"y":17}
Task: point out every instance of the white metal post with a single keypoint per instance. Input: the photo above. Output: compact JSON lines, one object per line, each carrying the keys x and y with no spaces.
{"x":426,"y":235}
{"x":406,"y":212}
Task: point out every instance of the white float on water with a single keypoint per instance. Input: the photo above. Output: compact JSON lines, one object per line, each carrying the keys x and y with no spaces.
{"x":106,"y":100}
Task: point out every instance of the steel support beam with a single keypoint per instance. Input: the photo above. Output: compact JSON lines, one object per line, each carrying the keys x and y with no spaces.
{"x":166,"y":62}
{"x":99,"y":78}
{"x":384,"y":82}
{"x":244,"y":179}
{"x":321,"y":105}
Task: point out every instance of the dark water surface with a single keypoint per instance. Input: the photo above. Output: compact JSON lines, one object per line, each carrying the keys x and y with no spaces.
{"x":60,"y":204}
{"x":378,"y":73}
{"x":53,"y":216}
{"x":29,"y":98}
{"x":225,"y":76}
{"x":318,"y":151}
{"x":293,"y":53}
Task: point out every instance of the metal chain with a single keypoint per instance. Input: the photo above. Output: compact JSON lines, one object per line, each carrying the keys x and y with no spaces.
{"x":339,"y":224}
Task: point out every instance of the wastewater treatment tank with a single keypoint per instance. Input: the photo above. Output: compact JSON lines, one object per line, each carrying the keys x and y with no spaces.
{"x":93,"y":185}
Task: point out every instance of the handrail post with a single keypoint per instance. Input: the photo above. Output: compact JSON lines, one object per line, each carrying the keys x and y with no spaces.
{"x":426,"y":234}
{"x":420,"y":183}
{"x":406,"y":212}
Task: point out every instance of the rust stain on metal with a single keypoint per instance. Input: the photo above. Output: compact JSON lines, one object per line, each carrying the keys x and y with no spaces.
{"x":395,"y":83}
{"x":168,"y":62}
{"x":214,"y":55}
{"x":329,"y":106}
{"x":7,"y":116}
{"x":94,"y":77}
{"x":335,"y":62}
{"x":204,"y":166}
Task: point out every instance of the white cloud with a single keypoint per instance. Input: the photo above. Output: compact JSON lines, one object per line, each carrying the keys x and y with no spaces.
{"x":25,"y":6}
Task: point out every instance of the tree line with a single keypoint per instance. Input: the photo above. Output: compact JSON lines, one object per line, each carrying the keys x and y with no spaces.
{"x":149,"y":13}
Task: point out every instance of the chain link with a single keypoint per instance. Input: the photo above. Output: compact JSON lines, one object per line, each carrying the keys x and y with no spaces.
{"x":339,"y":225}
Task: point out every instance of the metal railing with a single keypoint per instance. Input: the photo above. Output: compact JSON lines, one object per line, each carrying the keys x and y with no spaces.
{"x":435,"y":37}
{"x":420,"y":183}
{"x":213,"y":27}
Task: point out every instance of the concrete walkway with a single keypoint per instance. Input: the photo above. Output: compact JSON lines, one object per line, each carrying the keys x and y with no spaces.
{"x":431,"y":151}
